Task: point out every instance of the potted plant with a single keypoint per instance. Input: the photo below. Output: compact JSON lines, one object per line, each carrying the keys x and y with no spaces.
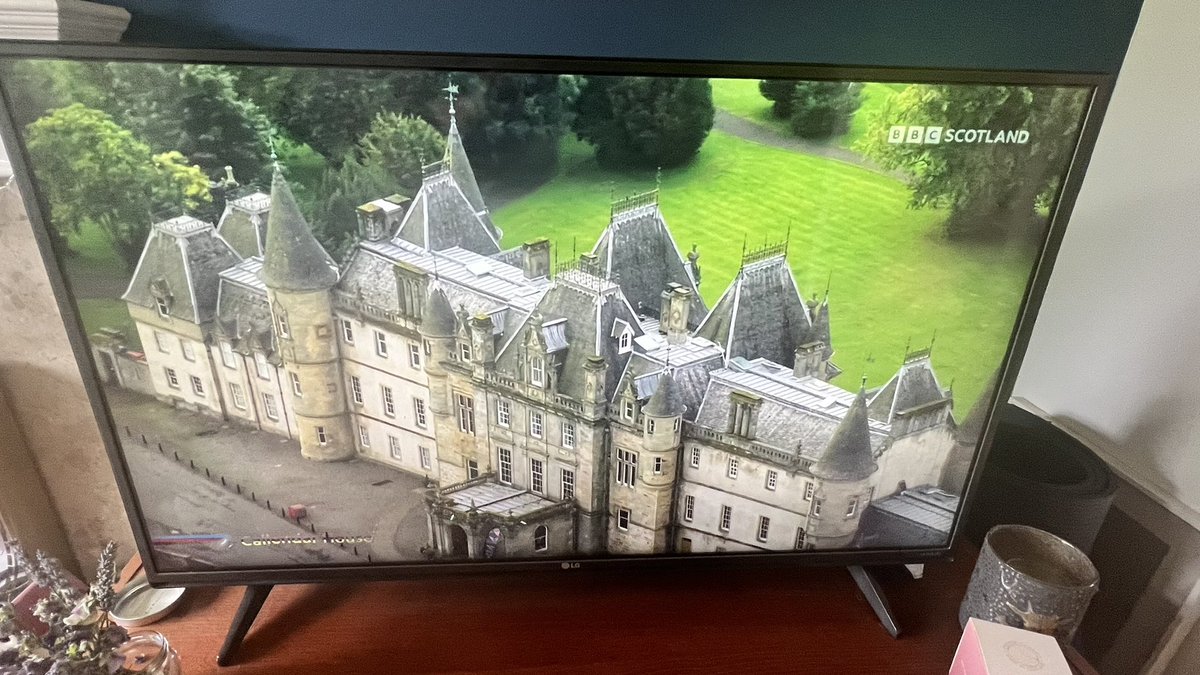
{"x":72,"y":633}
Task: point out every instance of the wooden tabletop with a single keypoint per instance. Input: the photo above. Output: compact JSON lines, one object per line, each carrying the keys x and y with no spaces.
{"x":685,"y":620}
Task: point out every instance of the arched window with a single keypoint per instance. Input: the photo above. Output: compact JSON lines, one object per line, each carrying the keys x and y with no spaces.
{"x":537,"y":371}
{"x":540,"y":538}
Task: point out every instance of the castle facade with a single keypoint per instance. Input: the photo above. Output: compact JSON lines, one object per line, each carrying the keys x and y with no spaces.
{"x":600,"y":407}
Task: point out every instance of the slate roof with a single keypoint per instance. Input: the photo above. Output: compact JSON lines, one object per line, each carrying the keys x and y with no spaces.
{"x":448,"y":211}
{"x":292,"y":258}
{"x":849,"y":455}
{"x":639,"y":253}
{"x":442,"y":217}
{"x":761,"y":314}
{"x":181,"y":260}
{"x":244,"y":223}
{"x":795,"y":415}
{"x":242,"y":307}
{"x":690,"y":362}
{"x":666,"y":400}
{"x":474,"y":282}
{"x":456,"y":160}
{"x":590,"y":305}
{"x":914,"y":386}
{"x":919,"y":516}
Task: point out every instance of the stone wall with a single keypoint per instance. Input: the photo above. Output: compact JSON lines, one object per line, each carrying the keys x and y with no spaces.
{"x":41,"y":378}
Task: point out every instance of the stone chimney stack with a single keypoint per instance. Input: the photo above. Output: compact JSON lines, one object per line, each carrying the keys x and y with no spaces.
{"x":673,"y":319}
{"x":595,"y":374}
{"x":810,"y":361}
{"x":378,"y":219}
{"x":535,"y":258}
{"x":483,"y":343}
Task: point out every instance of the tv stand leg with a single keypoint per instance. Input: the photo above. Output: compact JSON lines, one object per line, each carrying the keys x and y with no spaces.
{"x":252,"y":601}
{"x":869,"y":587}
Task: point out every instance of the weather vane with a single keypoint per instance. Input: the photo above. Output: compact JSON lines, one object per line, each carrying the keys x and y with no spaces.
{"x":451,"y":90}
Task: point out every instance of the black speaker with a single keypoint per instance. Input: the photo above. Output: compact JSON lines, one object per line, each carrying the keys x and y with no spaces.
{"x":1038,"y":475}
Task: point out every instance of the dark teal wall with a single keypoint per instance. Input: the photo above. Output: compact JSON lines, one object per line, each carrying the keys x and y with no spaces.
{"x":1079,"y":35}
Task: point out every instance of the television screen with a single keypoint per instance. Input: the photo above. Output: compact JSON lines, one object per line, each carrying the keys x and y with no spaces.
{"x":427,"y":312}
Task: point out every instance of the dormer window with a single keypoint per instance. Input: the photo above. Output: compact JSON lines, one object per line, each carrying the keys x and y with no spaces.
{"x":464,"y":352}
{"x":624,"y":335}
{"x":164,"y":307}
{"x":741,"y":417}
{"x":628,"y":410}
{"x":537,"y":371}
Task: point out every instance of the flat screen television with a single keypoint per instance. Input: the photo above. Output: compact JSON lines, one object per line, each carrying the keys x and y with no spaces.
{"x":360,"y":315}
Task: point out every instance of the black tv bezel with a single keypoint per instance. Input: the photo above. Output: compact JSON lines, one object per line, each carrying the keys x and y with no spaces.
{"x":1100,"y":83}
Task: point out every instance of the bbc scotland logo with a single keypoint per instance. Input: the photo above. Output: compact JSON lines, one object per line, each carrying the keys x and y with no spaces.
{"x":931,"y":135}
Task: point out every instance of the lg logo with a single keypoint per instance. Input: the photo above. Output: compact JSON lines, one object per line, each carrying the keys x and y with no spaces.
{"x":571,"y":565}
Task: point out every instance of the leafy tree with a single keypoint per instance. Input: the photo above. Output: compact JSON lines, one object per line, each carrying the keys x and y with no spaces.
{"x":93,"y":170}
{"x":512,"y":123}
{"x":343,"y":189}
{"x":305,"y":170}
{"x":824,"y":109}
{"x":219,"y":128}
{"x":328,"y":109}
{"x":779,"y":93}
{"x":644,"y":121}
{"x":48,"y":84}
{"x":190,"y":108}
{"x":399,"y":145}
{"x":992,"y":190}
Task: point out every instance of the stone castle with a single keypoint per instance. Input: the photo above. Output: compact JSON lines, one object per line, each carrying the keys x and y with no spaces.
{"x":597,"y":407}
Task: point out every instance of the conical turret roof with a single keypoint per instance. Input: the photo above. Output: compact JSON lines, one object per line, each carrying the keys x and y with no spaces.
{"x":460,"y":167}
{"x":439,"y":319}
{"x":293,"y":260}
{"x":848,"y":456}
{"x":665,"y":401}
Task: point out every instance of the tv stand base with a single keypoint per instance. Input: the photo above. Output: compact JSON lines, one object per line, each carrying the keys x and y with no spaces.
{"x":252,"y":601}
{"x":869,"y":587}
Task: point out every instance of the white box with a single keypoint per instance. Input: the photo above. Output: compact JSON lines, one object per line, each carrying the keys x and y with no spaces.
{"x":988,"y":648}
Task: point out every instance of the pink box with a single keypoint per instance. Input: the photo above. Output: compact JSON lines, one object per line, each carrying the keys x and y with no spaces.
{"x":990,"y":648}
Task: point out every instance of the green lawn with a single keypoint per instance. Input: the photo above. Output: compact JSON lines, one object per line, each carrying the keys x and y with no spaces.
{"x":893,"y":278}
{"x":741,"y":98}
{"x":100,"y":313}
{"x":98,"y":278}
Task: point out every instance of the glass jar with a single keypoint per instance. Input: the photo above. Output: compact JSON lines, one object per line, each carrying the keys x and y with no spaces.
{"x":147,"y":651}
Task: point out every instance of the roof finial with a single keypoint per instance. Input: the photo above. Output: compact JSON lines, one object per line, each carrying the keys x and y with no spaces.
{"x":274,"y":157}
{"x":828,"y":283}
{"x":932,"y":339}
{"x":907,"y":346}
{"x":451,"y":90}
{"x":658,"y":178}
{"x":862,"y":388}
{"x":787,"y":240}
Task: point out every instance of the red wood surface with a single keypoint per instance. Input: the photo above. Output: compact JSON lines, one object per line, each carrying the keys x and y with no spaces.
{"x":686,"y":620}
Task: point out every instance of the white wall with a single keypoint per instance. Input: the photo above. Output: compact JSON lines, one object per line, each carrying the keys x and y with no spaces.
{"x":1115,"y":355}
